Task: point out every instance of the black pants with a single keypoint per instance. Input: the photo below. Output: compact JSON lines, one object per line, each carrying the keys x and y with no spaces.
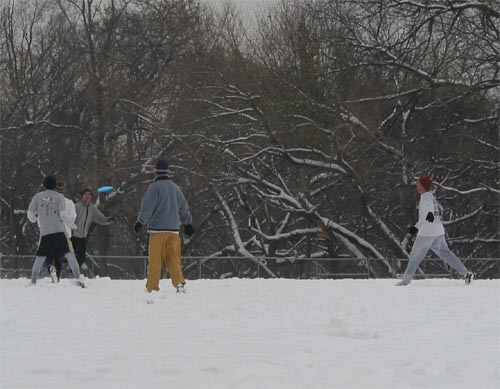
{"x":57,"y":261}
{"x":79,"y":246}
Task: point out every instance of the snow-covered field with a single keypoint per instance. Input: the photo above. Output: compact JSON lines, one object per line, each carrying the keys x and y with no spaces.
{"x":251,"y":334}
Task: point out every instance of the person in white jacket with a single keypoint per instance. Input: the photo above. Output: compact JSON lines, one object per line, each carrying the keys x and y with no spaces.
{"x":68,"y":216}
{"x":430,"y":235}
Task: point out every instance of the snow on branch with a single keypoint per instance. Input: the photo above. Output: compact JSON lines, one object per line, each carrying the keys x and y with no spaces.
{"x":352,"y":236}
{"x":483,"y":188}
{"x":239,"y":245}
{"x":387,"y":231}
{"x":287,"y":235}
{"x":462,"y":218}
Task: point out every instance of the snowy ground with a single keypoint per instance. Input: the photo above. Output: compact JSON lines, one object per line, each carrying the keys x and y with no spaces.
{"x":251,"y":334}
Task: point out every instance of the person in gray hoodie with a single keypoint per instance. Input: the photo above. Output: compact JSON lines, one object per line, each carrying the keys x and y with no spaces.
{"x":47,"y":208}
{"x":163,"y":209}
{"x":86,"y":214}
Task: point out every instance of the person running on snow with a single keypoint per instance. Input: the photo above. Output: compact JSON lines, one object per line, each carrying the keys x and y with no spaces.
{"x":54,"y":264}
{"x":430,"y":235}
{"x":48,"y":209}
{"x":163,"y":208}
{"x":86,"y":214}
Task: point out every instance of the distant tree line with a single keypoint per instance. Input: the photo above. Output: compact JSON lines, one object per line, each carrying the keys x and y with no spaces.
{"x":300,"y":137}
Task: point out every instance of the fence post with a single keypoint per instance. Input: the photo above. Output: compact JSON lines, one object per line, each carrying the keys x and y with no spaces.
{"x":199,"y":270}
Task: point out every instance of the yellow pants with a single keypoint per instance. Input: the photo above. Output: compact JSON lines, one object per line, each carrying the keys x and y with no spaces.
{"x":164,"y":247}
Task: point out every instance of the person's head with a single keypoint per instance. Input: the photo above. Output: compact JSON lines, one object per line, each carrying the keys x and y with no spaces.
{"x":49,"y":182}
{"x":424,"y":184}
{"x":60,"y":185}
{"x":86,"y":196}
{"x":161,"y":167}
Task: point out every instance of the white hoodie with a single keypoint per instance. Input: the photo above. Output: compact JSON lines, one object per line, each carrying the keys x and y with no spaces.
{"x":429,"y":204}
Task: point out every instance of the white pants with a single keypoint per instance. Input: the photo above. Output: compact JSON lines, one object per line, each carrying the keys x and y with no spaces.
{"x":437,"y":244}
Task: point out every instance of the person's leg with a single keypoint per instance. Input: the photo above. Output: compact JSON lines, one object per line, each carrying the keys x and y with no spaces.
{"x":61,"y":259}
{"x":58,"y":263}
{"x":73,"y":264}
{"x":35,"y":270}
{"x":79,"y":249}
{"x":155,"y":261}
{"x":173,"y":259}
{"x":49,"y":261}
{"x":419,"y":250}
{"x":440,"y":247}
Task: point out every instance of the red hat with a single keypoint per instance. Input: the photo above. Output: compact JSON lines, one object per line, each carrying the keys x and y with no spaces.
{"x":426,"y":182}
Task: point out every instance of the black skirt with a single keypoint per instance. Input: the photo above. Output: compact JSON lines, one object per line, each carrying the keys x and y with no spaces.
{"x":53,"y":245}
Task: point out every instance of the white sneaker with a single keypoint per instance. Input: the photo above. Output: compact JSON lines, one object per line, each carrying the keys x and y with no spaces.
{"x":403,"y":283}
{"x":53,"y":274}
{"x":468,"y":278}
{"x":80,"y":282}
{"x":181,"y":288}
{"x":152,"y":297}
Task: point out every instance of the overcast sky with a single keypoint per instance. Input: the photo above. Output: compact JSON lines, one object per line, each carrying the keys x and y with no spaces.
{"x":247,"y":8}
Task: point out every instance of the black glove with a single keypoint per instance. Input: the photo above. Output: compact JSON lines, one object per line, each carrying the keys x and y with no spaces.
{"x":430,"y":217}
{"x":412,"y":230}
{"x":137,"y":227}
{"x":189,"y":230}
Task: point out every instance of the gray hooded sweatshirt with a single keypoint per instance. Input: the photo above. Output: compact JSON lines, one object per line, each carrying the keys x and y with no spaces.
{"x":164,"y":207}
{"x":85,"y":216}
{"x":46,"y":207}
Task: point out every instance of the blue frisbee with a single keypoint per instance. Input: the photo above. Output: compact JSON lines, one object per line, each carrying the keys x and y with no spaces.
{"x":105,"y":189}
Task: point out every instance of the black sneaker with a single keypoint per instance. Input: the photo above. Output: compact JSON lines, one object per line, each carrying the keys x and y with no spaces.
{"x":468,"y":278}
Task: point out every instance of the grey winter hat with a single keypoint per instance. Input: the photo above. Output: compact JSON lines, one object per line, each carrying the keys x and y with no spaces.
{"x":161,"y":166}
{"x":49,"y":182}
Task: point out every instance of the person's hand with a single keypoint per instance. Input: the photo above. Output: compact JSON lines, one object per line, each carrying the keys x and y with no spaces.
{"x":430,"y":217}
{"x":412,"y":230}
{"x":137,"y":227}
{"x":189,"y":230}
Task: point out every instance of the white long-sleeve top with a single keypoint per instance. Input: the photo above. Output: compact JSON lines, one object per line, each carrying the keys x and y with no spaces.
{"x":68,"y":216}
{"x":429,"y":204}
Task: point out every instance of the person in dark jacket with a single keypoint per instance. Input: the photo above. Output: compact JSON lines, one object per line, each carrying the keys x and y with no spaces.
{"x":86,"y":214}
{"x":163,"y":209}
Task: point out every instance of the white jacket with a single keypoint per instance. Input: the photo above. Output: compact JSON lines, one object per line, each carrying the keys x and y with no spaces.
{"x":68,"y":216}
{"x":429,"y":204}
